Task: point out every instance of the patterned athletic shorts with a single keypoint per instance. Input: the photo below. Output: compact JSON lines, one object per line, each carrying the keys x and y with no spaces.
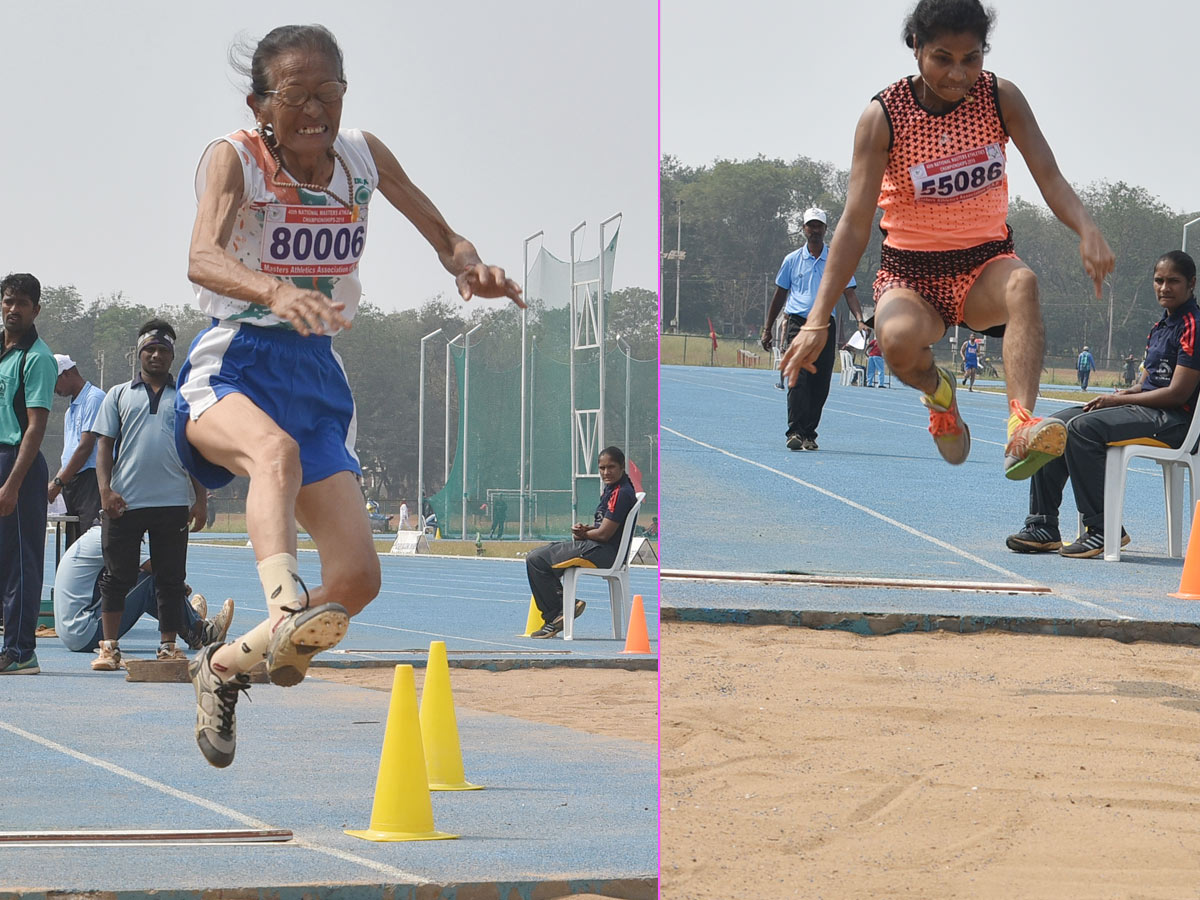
{"x":943,"y":278}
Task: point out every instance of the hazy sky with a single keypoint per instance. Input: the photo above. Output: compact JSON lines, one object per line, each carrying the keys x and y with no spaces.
{"x":1109,"y":82}
{"x":513,"y":117}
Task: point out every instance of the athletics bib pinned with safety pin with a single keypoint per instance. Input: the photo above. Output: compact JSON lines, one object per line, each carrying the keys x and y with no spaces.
{"x":316,"y":241}
{"x":960,"y":176}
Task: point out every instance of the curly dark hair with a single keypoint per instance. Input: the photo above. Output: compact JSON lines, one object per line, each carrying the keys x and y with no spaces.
{"x":24,"y":285}
{"x":931,"y":18}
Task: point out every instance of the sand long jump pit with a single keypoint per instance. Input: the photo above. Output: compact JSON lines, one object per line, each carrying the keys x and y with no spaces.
{"x":824,"y":764}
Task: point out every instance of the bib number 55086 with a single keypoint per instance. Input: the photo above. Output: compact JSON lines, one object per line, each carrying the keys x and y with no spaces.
{"x":961,"y":181}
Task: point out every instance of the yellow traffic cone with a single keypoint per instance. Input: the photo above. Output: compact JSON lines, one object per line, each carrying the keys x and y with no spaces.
{"x":439,"y":728}
{"x":402,"y":810}
{"x":437,"y":534}
{"x":534,"y":620}
{"x":637,"y":638}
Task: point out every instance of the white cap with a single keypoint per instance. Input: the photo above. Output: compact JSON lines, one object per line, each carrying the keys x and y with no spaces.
{"x":65,"y":363}
{"x":817,"y":214}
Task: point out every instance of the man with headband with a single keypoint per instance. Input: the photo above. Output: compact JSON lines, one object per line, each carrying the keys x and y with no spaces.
{"x":144,"y":490}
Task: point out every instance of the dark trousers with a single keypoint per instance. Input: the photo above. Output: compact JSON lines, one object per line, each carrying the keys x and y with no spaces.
{"x":22,"y":555}
{"x":82,"y":498}
{"x":141,"y":601}
{"x":806,"y":400}
{"x":122,"y":541}
{"x":1085,"y":375}
{"x":1088,"y":437}
{"x":545,"y":566}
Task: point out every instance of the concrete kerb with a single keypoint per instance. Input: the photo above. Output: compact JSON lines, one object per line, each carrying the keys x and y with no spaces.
{"x":619,"y":889}
{"x":866,"y":623}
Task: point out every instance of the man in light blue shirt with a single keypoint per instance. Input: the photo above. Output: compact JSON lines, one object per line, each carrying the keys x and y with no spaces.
{"x":76,"y":477}
{"x":144,"y":489}
{"x":797,"y":283}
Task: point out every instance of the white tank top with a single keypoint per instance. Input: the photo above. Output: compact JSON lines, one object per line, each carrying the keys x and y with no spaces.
{"x":303,"y":237}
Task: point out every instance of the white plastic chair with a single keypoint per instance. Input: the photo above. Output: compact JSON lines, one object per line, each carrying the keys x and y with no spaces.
{"x":847,"y":366}
{"x":617,"y":576}
{"x":1174,"y":462}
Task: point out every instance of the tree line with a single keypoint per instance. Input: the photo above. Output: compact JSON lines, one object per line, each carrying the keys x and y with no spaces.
{"x":380,"y":353}
{"x":740,"y":218}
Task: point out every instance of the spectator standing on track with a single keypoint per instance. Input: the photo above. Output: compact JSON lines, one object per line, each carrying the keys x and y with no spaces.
{"x":930,"y":151}
{"x":796,"y":288}
{"x":874,"y":363}
{"x":27,"y":375}
{"x":76,"y":477}
{"x":970,"y":357}
{"x":595,"y":546}
{"x":1085,"y":365}
{"x":144,"y":489}
{"x":77,"y":601}
{"x":1159,"y":407}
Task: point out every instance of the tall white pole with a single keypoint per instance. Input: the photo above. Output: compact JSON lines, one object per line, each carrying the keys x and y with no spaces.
{"x":446,"y":476}
{"x":601,"y":303}
{"x":574,"y":425}
{"x":1186,"y":226}
{"x":421,"y":436}
{"x":466,"y":419}
{"x":678,"y":256}
{"x":524,"y":354}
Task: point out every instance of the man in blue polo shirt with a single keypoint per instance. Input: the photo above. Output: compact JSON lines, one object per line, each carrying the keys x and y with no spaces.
{"x":144,"y":488}
{"x":76,"y":477}
{"x":27,"y":372}
{"x":797,"y":283}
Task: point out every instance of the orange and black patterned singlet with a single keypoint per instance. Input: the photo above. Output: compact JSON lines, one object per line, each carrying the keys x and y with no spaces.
{"x":946,"y":184}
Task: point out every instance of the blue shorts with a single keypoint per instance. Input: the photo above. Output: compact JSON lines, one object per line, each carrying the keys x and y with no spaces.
{"x":298,"y":381}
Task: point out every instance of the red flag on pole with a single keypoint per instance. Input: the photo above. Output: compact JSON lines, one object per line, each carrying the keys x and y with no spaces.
{"x":712,"y":334}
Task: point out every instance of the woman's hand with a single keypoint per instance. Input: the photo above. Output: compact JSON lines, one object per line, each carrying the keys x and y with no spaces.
{"x":802,"y":353}
{"x":309,"y":312}
{"x":1097,"y":256}
{"x":478,"y":280}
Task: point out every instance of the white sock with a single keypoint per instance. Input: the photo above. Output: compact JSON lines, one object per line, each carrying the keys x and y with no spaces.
{"x":280,"y":584}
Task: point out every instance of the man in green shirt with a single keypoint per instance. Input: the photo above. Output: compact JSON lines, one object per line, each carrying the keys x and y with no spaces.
{"x":27,"y":375}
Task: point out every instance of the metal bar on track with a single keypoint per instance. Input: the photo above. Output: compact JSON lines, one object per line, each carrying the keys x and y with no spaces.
{"x":986,"y":587}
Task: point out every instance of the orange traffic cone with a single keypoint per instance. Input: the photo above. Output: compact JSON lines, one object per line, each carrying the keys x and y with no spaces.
{"x":637,"y":639}
{"x":534,"y":620}
{"x":1189,"y":584}
{"x":439,"y":728}
{"x":403,"y":810}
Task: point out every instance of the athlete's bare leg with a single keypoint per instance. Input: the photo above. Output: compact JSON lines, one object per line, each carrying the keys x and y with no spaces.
{"x":906,"y":326}
{"x":236,"y":434}
{"x":333,"y":514}
{"x":1007,"y":292}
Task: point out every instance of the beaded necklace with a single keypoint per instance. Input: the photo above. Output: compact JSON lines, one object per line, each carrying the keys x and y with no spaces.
{"x":313,"y":187}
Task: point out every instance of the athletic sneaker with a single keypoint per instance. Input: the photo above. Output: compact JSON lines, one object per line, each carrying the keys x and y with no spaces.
{"x":10,"y":666}
{"x":1090,"y":544}
{"x":555,"y":625}
{"x":1034,"y":442}
{"x":109,"y":659}
{"x":1035,"y":539}
{"x":299,"y":636}
{"x":200,"y":605}
{"x":949,"y":431}
{"x":211,"y":631}
{"x":216,"y":722}
{"x":809,"y":444}
{"x":168,"y":651}
{"x":795,"y":442}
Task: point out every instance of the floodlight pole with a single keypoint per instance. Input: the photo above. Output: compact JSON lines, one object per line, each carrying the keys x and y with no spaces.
{"x":1186,"y":226}
{"x":421,"y":435}
{"x":466,"y":415}
{"x":446,"y":475}
{"x":678,"y":255}
{"x":521,"y":464}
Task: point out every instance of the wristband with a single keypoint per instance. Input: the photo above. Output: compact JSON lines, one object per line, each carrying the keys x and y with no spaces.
{"x":814,"y":327}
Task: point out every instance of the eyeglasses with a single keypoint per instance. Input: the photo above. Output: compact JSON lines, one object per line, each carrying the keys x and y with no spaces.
{"x":294,"y":95}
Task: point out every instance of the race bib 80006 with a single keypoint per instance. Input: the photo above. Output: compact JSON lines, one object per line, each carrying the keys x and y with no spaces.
{"x":960,"y":176}
{"x":312,"y":240}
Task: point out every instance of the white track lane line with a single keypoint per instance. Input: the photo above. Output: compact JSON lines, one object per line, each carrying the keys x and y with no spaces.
{"x":248,"y":821}
{"x":893,"y":522}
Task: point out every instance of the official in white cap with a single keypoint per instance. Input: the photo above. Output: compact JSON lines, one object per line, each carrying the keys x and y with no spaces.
{"x":76,"y":476}
{"x":795,"y":292}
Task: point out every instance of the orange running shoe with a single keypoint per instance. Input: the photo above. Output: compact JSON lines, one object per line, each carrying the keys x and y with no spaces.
{"x":1033,"y":443}
{"x":949,"y":431}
